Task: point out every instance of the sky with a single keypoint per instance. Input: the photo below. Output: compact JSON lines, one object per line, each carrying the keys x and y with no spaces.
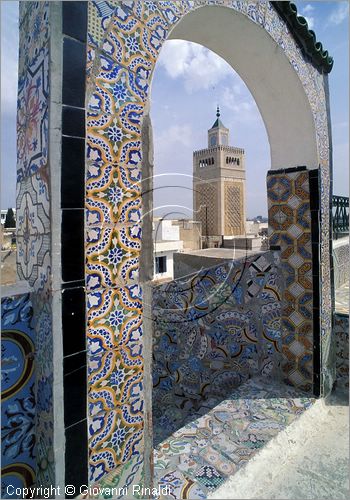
{"x":188,"y":83}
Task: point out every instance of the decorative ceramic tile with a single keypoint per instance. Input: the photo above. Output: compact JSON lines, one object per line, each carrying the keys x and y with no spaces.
{"x":33,"y":260}
{"x":112,"y":255}
{"x":18,"y":401}
{"x":113,"y":196}
{"x":114,"y":438}
{"x":114,"y":379}
{"x":115,"y":320}
{"x":341,"y":333}
{"x":32,"y":116}
{"x":236,"y":428}
{"x":206,"y":342}
{"x":290,"y":221}
{"x":115,"y":138}
{"x":33,"y":204}
{"x":121,"y":481}
{"x":33,"y":35}
{"x":116,"y":86}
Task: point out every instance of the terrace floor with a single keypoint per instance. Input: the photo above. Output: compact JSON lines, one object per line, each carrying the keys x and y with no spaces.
{"x":263,"y":442}
{"x":342,"y":299}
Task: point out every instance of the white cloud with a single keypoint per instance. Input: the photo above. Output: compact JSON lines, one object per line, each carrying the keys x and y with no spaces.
{"x":308,"y":8}
{"x":199,"y":67}
{"x":339,"y":14}
{"x":176,"y":135}
{"x":238,"y":99}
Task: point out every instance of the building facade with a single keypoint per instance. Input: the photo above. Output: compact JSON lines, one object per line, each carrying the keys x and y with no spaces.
{"x":219,"y":184}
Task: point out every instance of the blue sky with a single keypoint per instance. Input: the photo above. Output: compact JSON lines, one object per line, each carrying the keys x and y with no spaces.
{"x":188,"y":83}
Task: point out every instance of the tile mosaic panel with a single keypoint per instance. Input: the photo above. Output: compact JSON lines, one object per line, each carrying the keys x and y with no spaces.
{"x":115,"y":437}
{"x":124,"y":39}
{"x":236,"y":428}
{"x":115,"y":320}
{"x":115,"y":378}
{"x":112,"y":255}
{"x":113,"y":196}
{"x":44,"y":425}
{"x":341,"y":334}
{"x":290,"y":228}
{"x":18,"y":399}
{"x":32,"y":116}
{"x":211,"y":333}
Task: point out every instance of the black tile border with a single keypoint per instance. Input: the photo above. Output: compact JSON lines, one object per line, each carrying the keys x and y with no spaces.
{"x":76,"y":455}
{"x":71,"y":13}
{"x":75,"y":396}
{"x":314,"y":184}
{"x":288,"y":170}
{"x":73,"y":320}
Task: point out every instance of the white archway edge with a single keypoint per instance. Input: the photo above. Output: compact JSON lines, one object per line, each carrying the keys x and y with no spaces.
{"x":270,"y":77}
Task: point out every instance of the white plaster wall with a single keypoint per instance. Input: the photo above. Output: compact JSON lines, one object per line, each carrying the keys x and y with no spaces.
{"x":269,"y":75}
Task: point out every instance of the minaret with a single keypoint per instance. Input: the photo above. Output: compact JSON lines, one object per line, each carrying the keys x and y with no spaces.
{"x":219,"y":185}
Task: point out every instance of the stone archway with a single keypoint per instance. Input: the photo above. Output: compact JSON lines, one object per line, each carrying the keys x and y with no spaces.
{"x":291,"y":96}
{"x":288,"y":79}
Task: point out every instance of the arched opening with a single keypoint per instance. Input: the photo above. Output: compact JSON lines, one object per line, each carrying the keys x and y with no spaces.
{"x":288,"y":117}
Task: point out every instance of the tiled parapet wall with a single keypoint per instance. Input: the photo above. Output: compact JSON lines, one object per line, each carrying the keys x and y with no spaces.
{"x":341,"y":336}
{"x":18,"y":395}
{"x":293,"y":211}
{"x":212,"y":331}
{"x":341,"y":261}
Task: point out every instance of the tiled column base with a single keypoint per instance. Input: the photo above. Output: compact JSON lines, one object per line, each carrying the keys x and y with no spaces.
{"x":293,"y":226}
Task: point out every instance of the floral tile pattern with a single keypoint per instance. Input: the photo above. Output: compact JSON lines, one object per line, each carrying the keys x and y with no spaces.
{"x":33,"y":214}
{"x":32,"y":116}
{"x":115,"y":320}
{"x":114,"y":438}
{"x":112,"y":255}
{"x":211,"y":333}
{"x":124,"y":40}
{"x":113,"y":196}
{"x":18,"y":399}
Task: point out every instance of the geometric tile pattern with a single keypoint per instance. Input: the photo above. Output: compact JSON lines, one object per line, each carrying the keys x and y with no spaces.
{"x":341,"y":334}
{"x":290,"y":228}
{"x":211,"y":333}
{"x":18,"y":398}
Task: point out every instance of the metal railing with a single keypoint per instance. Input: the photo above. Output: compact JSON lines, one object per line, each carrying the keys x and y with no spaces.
{"x":340,"y":211}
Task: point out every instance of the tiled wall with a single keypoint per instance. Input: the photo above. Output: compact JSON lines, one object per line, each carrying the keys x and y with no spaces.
{"x":341,"y":335}
{"x":118,"y":51}
{"x":293,"y":211}
{"x":212,"y":331}
{"x":34,"y":252}
{"x":18,"y":395}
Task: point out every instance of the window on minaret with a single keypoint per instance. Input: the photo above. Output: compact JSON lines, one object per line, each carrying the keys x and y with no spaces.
{"x":213,"y":140}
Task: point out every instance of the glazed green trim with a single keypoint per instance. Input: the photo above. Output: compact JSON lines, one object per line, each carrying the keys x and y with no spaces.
{"x":306,"y":38}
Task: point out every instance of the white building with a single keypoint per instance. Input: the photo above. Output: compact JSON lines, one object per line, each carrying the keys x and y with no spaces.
{"x":166,"y":242}
{"x":4,"y":213}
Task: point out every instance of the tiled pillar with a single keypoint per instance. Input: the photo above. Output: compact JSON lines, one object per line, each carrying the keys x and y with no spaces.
{"x":34,"y":244}
{"x":293,"y":210}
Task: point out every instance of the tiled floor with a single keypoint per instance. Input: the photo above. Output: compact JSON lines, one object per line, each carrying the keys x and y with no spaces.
{"x":342,"y":299}
{"x":202,"y":455}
